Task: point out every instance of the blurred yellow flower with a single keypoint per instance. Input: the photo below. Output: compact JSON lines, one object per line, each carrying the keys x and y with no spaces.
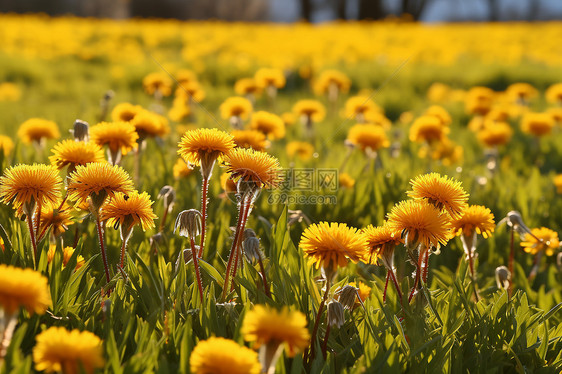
{"x":476,"y":218}
{"x":303,"y":150}
{"x":554,"y":94}
{"x":223,"y":356}
{"x":494,"y":134}
{"x":67,"y":253}
{"x":271,"y":125}
{"x":247,"y":86}
{"x":60,"y":350}
{"x":157,"y":83}
{"x":537,"y":124}
{"x":6,"y":144}
{"x":428,"y":129}
{"x":250,"y":139}
{"x":270,"y":77}
{"x":368,"y":137}
{"x":125,"y":112}
{"x":236,"y":107}
{"x":346,"y":181}
{"x":181,"y":169}
{"x":9,"y":92}
{"x":309,"y":111}
{"x":549,"y":244}
{"x":23,"y":288}
{"x":38,"y":130}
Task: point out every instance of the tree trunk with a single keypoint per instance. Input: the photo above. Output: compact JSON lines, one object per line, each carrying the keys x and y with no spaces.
{"x":306,"y":10}
{"x":370,"y":9}
{"x":341,"y":9}
{"x":494,"y":10}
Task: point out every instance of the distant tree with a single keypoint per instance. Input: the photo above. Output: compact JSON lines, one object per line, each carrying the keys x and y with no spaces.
{"x":534,"y":10}
{"x":341,"y":9}
{"x":493,"y":7}
{"x":371,"y":9}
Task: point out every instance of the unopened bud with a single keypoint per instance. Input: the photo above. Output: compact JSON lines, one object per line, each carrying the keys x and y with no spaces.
{"x":336,"y":316}
{"x":559,"y":260}
{"x":249,"y":233}
{"x":156,"y":240}
{"x":168,"y":195}
{"x":187,"y":255}
{"x":81,"y":131}
{"x":189,"y":223}
{"x":251,"y":246}
{"x":503,"y":277}
{"x":348,"y":296}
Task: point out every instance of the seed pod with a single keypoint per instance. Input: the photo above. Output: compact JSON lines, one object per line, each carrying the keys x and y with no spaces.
{"x":168,"y":195}
{"x":251,"y":246}
{"x":81,"y":131}
{"x":336,"y":316}
{"x":348,"y":296}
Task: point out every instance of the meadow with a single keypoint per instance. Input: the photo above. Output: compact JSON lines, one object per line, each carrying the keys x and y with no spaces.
{"x":402,"y":183}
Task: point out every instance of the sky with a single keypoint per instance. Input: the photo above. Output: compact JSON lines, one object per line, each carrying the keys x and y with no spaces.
{"x":437,"y":10}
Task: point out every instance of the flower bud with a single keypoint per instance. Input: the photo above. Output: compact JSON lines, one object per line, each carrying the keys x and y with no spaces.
{"x":81,"y":131}
{"x":348,"y":296}
{"x":503,"y":277}
{"x":251,"y":246}
{"x":168,"y":195}
{"x":189,"y":223}
{"x":336,"y":316}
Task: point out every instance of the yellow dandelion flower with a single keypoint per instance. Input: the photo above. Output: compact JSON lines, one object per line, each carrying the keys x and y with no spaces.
{"x":537,"y":124}
{"x":368,"y":137}
{"x":346,"y":181}
{"x":479,"y":100}
{"x":148,"y":124}
{"x":270,"y":77}
{"x":269,"y":124}
{"x":23,"y":186}
{"x":132,"y":209}
{"x":356,"y":106}
{"x":98,"y":180}
{"x":332,"y":79}
{"x":190,"y":91}
{"x":438,"y":92}
{"x":558,"y":183}
{"x":364,"y":290}
{"x":420,"y":222}
{"x":38,"y":129}
{"x":250,"y":139}
{"x":181,"y":169}
{"x":554,"y":94}
{"x":443,"y":192}
{"x":265,"y":325}
{"x":184,"y":76}
{"x":494,"y":134}
{"x":157,"y":82}
{"x":377,"y":118}
{"x":247,"y":86}
{"x":302,"y":150}
{"x":67,"y":253}
{"x":6,"y":144}
{"x":381,"y":241}
{"x":59,"y":350}
{"x":119,"y":136}
{"x":25,"y":288}
{"x":476,"y":218}
{"x":521,"y":91}
{"x":236,"y":107}
{"x":309,"y":110}
{"x":204,"y":144}
{"x":179,"y":110}
{"x":447,"y":151}
{"x":427,"y":129}
{"x":223,"y":356}
{"x":550,"y":242}
{"x":125,"y":112}
{"x":332,"y":245}
{"x":70,"y":152}
{"x":499,"y":114}
{"x":255,"y":166}
{"x":57,"y":220}
{"x":439,"y":112}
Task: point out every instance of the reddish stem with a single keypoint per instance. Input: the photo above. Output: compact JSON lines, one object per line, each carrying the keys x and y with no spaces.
{"x":396,"y":285}
{"x":247,"y":211}
{"x":312,"y":347}
{"x":425,"y":266}
{"x":385,"y":286}
{"x":204,"y":200}
{"x":123,"y":248}
{"x":32,"y":237}
{"x":196,"y":265}
{"x":102,"y":247}
{"x":265,"y":286}
{"x":511,"y":260}
{"x":38,"y":221}
{"x":325,"y":342}
{"x":163,"y":221}
{"x":233,"y":254}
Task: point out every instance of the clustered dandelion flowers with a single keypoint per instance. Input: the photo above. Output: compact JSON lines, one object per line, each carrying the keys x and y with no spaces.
{"x":95,"y":182}
{"x":222,"y":356}
{"x":60,"y":350}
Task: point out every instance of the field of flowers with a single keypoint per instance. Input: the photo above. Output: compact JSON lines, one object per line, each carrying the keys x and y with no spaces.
{"x":213,"y":197}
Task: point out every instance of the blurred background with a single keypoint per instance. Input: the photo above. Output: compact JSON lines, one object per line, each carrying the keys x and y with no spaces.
{"x":294,"y":10}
